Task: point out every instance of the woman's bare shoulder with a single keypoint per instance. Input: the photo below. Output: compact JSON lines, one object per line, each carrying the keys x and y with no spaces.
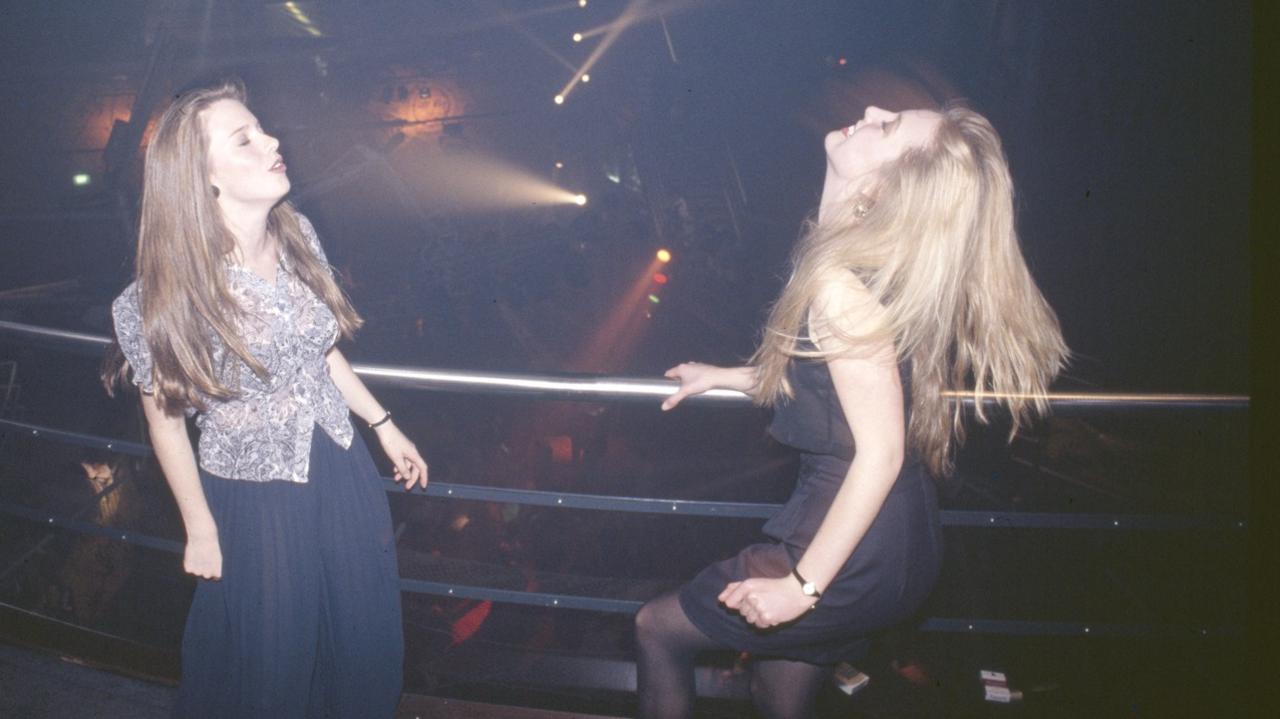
{"x":844,"y":303}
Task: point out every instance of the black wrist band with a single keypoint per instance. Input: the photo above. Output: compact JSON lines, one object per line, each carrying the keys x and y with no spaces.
{"x":385,"y":418}
{"x":809,"y":588}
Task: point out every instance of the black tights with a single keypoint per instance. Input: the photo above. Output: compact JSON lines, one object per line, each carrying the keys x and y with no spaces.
{"x":668,"y":643}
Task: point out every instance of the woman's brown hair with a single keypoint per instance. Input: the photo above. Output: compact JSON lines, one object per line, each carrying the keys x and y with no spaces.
{"x":183,"y":250}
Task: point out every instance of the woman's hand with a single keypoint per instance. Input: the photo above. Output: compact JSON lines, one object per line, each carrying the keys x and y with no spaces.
{"x":409,"y":465}
{"x":767,"y":602}
{"x":695,"y":378}
{"x":203,"y":557}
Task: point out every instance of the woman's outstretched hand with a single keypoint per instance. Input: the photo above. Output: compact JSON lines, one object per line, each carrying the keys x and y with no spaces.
{"x":203,"y":557}
{"x":767,"y":602}
{"x":409,"y":465}
{"x":695,"y":378}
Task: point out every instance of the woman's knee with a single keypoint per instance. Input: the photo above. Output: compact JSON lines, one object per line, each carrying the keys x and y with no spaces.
{"x":660,"y":620}
{"x":646,"y":621}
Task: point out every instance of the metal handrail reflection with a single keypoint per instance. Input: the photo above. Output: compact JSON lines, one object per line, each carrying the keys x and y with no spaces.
{"x":600,"y":388}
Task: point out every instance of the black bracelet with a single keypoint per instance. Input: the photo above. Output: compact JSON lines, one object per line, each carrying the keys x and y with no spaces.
{"x":385,"y":418}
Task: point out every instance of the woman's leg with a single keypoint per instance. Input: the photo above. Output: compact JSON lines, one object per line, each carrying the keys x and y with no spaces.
{"x":667,"y":643}
{"x":250,"y":640}
{"x":360,"y":650}
{"x":786,"y":689}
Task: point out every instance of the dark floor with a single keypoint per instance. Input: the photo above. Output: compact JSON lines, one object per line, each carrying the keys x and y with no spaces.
{"x":36,"y":684}
{"x":40,"y":685}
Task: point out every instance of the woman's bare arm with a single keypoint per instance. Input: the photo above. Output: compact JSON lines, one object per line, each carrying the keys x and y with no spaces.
{"x":870,"y":394}
{"x":404,"y":456}
{"x":203,"y":555}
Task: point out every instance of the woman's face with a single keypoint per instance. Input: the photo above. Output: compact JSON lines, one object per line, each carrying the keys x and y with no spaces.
{"x":857,"y":151}
{"x":244,"y":162}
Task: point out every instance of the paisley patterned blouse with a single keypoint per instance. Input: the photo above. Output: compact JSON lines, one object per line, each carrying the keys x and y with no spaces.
{"x":264,"y":434}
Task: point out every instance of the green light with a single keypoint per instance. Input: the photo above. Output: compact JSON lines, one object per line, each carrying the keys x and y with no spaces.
{"x":80,"y":179}
{"x":654,"y":299}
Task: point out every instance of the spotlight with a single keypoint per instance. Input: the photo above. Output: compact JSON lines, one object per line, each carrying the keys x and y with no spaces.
{"x":559,"y":99}
{"x":577,"y":37}
{"x":664,"y":256}
{"x":586,"y":77}
{"x":559,"y":165}
{"x":80,"y":179}
{"x":654,"y":299}
{"x":582,"y":3}
{"x":843,"y":61}
{"x":580,"y":200}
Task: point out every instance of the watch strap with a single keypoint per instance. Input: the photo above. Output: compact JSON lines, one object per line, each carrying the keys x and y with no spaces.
{"x":809,"y":588}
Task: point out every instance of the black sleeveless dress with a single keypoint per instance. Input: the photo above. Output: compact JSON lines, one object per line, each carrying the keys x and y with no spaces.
{"x":884,"y":581}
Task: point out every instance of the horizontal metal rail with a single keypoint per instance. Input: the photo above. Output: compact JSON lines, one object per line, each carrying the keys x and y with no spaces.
{"x":700,"y":508}
{"x":600,"y":388}
{"x":630,"y":606}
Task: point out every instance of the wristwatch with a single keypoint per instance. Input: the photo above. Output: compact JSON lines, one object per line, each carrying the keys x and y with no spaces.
{"x":809,"y":588}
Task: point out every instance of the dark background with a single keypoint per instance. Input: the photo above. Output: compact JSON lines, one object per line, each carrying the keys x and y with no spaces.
{"x":1127,"y":126}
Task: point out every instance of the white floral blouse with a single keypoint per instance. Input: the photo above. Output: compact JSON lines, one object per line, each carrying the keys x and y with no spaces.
{"x":264,"y":434}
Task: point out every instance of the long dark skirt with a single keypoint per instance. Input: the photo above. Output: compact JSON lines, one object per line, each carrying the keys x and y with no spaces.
{"x":305,"y":621}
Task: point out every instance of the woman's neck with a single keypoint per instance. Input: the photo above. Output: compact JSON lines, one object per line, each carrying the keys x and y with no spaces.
{"x":838,"y":192}
{"x":248,"y":228}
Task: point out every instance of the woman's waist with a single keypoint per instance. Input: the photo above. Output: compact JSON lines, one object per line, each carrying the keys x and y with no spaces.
{"x":821,"y":471}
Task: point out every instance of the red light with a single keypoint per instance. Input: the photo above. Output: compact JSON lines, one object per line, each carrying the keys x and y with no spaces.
{"x":843,"y":61}
{"x":660,"y":278}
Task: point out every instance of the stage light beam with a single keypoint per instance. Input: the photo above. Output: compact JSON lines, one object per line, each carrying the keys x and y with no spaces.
{"x":472,"y":182}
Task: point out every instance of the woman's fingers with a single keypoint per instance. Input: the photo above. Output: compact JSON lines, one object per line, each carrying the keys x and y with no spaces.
{"x":734,"y":593}
{"x":688,"y":380}
{"x":673,"y":400}
{"x":416,"y":470}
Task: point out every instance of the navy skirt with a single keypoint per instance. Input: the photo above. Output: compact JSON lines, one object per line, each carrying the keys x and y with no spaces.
{"x":306,"y":620}
{"x":884,"y":581}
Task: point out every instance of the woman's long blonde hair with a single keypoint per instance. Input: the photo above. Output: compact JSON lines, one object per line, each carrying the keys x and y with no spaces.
{"x":183,"y":247}
{"x":935,"y":245}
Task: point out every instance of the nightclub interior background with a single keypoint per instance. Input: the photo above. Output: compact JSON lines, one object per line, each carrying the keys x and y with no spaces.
{"x":492,"y":180}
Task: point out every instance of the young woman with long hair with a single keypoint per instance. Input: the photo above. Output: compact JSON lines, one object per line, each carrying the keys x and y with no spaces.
{"x":909,"y":282}
{"x":233,"y":318}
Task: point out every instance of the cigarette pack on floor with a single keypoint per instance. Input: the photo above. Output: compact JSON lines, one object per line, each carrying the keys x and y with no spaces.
{"x":995,"y":687}
{"x":849,"y":680}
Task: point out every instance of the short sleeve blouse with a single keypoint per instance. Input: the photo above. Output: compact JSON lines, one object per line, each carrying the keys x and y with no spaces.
{"x":264,"y":433}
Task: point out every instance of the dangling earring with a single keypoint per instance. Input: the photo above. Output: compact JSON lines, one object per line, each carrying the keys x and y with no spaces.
{"x":863,"y":206}
{"x":216,"y":191}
